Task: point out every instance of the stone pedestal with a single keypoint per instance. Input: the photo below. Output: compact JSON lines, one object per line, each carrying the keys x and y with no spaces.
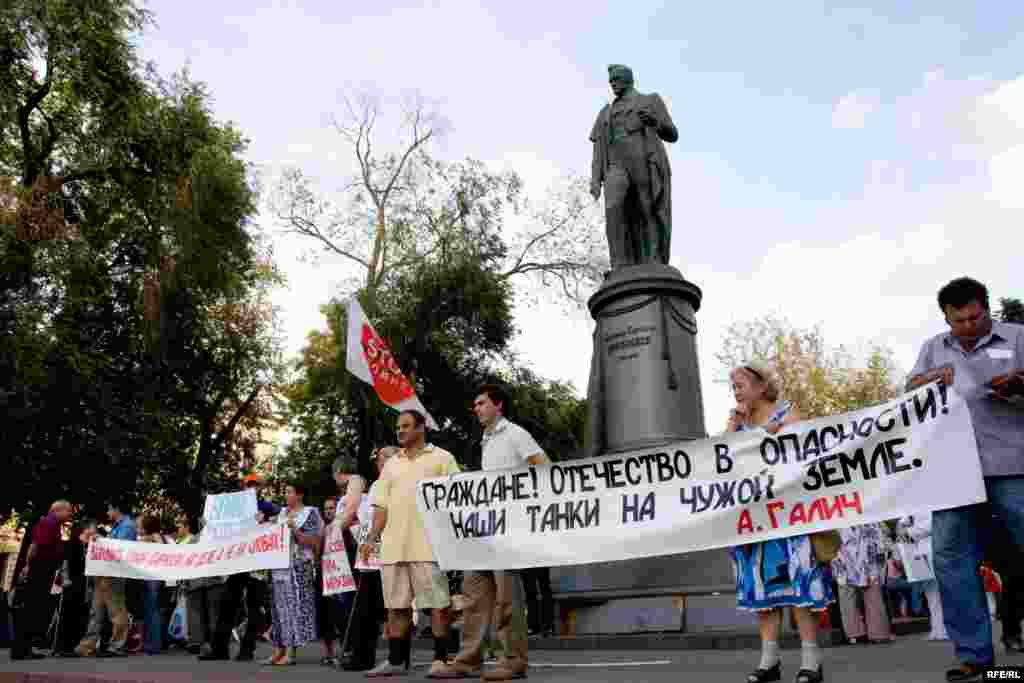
{"x":644,"y":379}
{"x":644,"y":392}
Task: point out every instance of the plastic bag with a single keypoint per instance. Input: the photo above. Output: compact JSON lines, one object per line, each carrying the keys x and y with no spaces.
{"x":177,"y":629}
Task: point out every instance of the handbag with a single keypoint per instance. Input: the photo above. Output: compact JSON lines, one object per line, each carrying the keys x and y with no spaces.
{"x":826,"y":545}
{"x":916,"y":558}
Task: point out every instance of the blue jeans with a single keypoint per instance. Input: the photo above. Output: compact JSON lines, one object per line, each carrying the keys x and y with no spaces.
{"x":898,"y":590}
{"x":153,"y":632}
{"x":958,"y":544}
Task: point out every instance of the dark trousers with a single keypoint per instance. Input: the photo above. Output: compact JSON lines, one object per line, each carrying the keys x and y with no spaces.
{"x":203,"y":612}
{"x":1011,"y":603}
{"x":153,"y":624}
{"x":367,"y":619}
{"x":540,"y":613}
{"x":74,"y":617}
{"x":33,"y":619}
{"x":254,"y":590}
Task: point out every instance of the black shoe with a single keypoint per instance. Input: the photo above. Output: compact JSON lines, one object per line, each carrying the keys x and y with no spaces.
{"x":358,"y":665}
{"x":193,"y":649}
{"x":966,"y":673}
{"x":810,"y":675}
{"x":28,"y":656}
{"x":766,"y":675}
{"x":1013,"y":644}
{"x":245,"y":656}
{"x":213,"y":656}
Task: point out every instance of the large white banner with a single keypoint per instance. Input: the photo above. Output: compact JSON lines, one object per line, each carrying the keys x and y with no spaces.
{"x":228,"y":515}
{"x":266,"y":547}
{"x":914,"y":454}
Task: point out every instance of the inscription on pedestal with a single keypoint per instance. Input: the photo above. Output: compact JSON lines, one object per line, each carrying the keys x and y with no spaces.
{"x":626,"y":344}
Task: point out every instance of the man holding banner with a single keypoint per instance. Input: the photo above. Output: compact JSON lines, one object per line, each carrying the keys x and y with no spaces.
{"x":498,"y":594}
{"x":409,"y":569}
{"x":982,"y":360}
{"x":253,"y":585}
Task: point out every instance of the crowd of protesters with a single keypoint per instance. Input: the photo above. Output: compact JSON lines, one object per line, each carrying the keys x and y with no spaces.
{"x":975,"y":549}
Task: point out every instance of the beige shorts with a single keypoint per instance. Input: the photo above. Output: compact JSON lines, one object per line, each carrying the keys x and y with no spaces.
{"x":424,"y":581}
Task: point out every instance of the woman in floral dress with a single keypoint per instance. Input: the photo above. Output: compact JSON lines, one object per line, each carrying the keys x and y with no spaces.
{"x":293,"y":608}
{"x":859,"y":569}
{"x":782,"y":572}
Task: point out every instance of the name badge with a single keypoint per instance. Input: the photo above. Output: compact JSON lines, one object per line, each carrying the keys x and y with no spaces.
{"x":1000,"y":354}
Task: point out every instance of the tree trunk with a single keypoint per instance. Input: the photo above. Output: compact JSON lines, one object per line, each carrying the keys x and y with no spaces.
{"x":375,"y":257}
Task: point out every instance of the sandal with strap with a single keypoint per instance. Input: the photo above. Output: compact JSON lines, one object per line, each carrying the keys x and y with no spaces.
{"x":810,"y":675}
{"x":766,"y":675}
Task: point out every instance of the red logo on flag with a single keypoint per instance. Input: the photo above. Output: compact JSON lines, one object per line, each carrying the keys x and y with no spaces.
{"x":388,"y":380}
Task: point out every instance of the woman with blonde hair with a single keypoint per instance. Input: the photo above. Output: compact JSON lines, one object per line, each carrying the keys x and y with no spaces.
{"x":783,"y":572}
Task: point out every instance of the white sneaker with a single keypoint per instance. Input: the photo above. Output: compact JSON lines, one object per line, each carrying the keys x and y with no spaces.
{"x":386,"y":669}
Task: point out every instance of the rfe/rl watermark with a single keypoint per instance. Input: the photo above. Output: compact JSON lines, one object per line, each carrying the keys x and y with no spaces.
{"x":1004,"y":673}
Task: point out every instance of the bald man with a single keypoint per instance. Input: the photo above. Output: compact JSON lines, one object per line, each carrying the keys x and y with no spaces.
{"x":44,"y":558}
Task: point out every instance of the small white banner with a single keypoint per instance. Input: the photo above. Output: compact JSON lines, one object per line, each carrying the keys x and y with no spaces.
{"x":228,"y":515}
{"x":334,"y":564}
{"x":914,"y":454}
{"x":361,"y":532}
{"x":265,"y":547}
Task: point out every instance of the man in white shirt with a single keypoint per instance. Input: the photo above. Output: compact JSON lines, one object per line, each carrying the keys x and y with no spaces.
{"x":506,"y":445}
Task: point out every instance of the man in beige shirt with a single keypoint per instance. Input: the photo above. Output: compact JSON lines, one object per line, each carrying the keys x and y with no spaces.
{"x":408,"y":567}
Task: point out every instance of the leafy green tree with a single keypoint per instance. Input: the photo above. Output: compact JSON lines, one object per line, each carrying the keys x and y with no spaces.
{"x":135,"y":333}
{"x":820,"y":379}
{"x":439,"y":247}
{"x":450,"y":322}
{"x":1011,"y":311}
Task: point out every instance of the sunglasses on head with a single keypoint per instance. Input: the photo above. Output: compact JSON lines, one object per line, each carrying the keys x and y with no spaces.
{"x":754,"y":372}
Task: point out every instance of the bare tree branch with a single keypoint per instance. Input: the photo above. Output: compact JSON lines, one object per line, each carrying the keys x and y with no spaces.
{"x":301,"y":226}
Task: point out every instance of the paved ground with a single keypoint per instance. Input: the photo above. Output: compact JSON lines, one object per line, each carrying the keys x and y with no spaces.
{"x":909,"y":660}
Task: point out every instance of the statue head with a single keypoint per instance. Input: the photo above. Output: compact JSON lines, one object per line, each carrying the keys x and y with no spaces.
{"x":620,"y":77}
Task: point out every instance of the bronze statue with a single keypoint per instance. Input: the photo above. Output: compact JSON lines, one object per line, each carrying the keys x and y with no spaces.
{"x":631,"y":162}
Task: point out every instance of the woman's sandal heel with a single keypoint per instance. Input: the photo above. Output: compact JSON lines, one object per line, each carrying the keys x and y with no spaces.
{"x":810,"y":675}
{"x":766,"y":675}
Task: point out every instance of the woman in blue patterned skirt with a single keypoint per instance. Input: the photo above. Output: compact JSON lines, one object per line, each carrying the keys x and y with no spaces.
{"x":784,"y":572}
{"x":293,"y":608}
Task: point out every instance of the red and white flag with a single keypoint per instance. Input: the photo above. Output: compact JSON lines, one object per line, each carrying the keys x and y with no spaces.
{"x":369,"y":358}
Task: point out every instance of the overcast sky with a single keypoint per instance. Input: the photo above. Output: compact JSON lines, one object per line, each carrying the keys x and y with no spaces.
{"x":835,"y":165}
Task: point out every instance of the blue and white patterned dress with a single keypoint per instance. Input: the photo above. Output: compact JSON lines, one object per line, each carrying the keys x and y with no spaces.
{"x":782,"y":572}
{"x":293,"y":600}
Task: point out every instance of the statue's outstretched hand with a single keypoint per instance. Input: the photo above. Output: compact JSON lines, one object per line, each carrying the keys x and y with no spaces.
{"x":648,"y":118}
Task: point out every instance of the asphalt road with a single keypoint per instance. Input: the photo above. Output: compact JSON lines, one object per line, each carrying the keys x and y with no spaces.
{"x":909,"y":659}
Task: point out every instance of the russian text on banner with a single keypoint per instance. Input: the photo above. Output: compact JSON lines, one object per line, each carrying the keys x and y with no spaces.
{"x":368,"y":357}
{"x":334,"y":564}
{"x":265,"y":547}
{"x":361,"y":532}
{"x":228,"y":515}
{"x":913,"y":454}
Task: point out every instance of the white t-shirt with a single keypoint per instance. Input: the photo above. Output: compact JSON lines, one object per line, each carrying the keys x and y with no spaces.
{"x":507,"y":447}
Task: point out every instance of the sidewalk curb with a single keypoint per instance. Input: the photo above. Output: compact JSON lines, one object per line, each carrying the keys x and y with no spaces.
{"x":714,"y":640}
